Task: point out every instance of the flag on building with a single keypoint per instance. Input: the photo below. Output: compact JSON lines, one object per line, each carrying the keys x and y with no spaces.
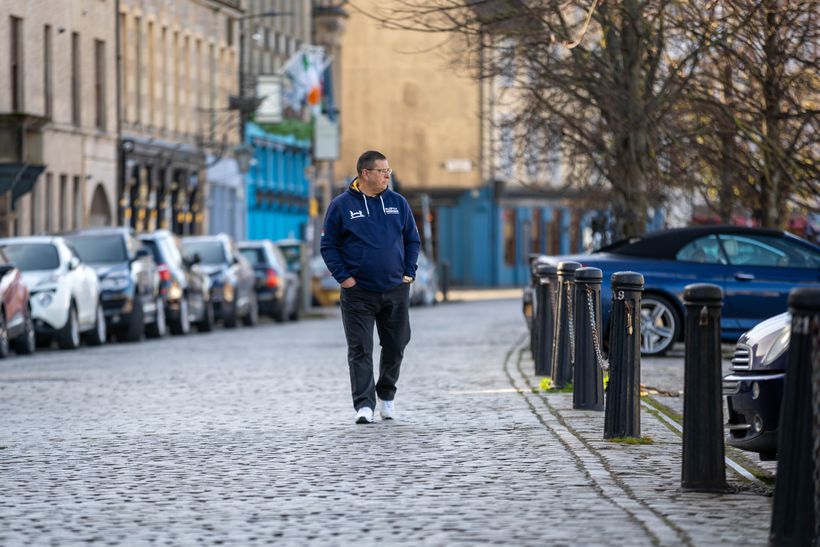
{"x":304,"y":70}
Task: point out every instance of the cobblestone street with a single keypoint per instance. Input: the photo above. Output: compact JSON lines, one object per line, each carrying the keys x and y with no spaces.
{"x":247,"y":436}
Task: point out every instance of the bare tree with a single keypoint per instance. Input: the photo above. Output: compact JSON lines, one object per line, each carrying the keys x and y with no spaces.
{"x":599,"y":77}
{"x":750,"y":127}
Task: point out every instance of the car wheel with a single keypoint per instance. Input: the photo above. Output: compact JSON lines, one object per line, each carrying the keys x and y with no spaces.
{"x":159,"y":327}
{"x":183,"y":324}
{"x":68,"y":337}
{"x":26,"y":343}
{"x":4,"y":336}
{"x":98,"y":335}
{"x":252,"y":317}
{"x":294,"y":315}
{"x":133,"y":331}
{"x":206,"y":324}
{"x":230,"y":314}
{"x":279,"y":312}
{"x":660,"y":325}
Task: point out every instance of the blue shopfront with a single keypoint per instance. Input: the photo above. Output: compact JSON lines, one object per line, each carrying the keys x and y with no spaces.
{"x":277,"y":185}
{"x":486,"y":235}
{"x":487,"y":239}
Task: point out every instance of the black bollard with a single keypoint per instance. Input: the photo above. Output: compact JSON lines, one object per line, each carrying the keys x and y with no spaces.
{"x":530,"y":302}
{"x":445,"y":279}
{"x":588,"y":387}
{"x":815,"y":364}
{"x":704,"y":467}
{"x":563,"y":348}
{"x":793,"y":515}
{"x":546,"y":320}
{"x":623,"y":394}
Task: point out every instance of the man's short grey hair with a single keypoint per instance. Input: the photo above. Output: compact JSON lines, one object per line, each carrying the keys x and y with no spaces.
{"x":368,"y":160}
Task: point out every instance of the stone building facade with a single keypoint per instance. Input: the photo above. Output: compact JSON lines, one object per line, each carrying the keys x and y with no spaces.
{"x":179,"y":66}
{"x":58,"y":115}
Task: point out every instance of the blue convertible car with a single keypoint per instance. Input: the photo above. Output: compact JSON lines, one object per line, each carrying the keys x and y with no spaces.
{"x":756,"y":268}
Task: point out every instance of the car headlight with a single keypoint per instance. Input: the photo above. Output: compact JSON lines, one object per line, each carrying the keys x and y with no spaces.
{"x":44,"y":298}
{"x":115,"y":283}
{"x":778,"y":348}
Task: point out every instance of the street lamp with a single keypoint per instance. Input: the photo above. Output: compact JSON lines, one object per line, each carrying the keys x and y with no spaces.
{"x":244,"y":104}
{"x":243,"y":154}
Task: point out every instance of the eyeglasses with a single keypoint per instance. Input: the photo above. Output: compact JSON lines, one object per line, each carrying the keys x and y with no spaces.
{"x":382,"y":172}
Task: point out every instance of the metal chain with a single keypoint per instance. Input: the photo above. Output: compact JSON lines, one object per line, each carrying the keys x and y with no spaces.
{"x":571,"y":323}
{"x":596,"y":340}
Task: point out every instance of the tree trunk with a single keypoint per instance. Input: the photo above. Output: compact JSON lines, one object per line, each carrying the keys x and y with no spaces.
{"x":631,"y":157}
{"x":728,"y":150}
{"x":771,"y":190}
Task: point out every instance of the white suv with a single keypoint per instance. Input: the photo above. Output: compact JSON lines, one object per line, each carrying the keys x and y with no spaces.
{"x":64,"y":292}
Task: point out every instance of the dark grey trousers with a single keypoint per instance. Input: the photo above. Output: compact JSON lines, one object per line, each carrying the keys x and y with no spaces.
{"x":389,"y":311}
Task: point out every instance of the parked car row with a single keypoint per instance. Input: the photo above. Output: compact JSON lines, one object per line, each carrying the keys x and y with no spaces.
{"x":100,"y":282}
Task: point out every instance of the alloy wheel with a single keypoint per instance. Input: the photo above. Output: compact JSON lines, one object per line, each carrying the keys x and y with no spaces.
{"x":658,"y":326}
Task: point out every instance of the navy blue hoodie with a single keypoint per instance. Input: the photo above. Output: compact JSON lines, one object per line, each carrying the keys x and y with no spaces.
{"x":372,"y":239}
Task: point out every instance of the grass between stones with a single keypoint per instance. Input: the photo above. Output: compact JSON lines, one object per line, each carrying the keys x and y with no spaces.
{"x":646,"y":439}
{"x":546,"y":385}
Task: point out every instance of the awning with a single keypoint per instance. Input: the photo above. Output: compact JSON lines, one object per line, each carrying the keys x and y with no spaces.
{"x":19,"y":178}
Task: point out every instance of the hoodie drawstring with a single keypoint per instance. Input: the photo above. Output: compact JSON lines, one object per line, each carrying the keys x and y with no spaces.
{"x":366,"y":208}
{"x":382,"y":200}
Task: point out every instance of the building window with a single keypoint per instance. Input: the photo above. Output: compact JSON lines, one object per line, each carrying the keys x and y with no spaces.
{"x":151,"y":75}
{"x":99,"y":84}
{"x":176,"y":77}
{"x":48,"y":202}
{"x":35,"y":204}
{"x":186,"y":85}
{"x":198,"y":85}
{"x":509,"y":237}
{"x":16,"y":60}
{"x":212,"y":83}
{"x":229,"y":24}
{"x":138,"y":72}
{"x":63,"y":203}
{"x":124,"y":67}
{"x":506,"y":63}
{"x":47,"y":89}
{"x":75,"y":78}
{"x":506,"y":157}
{"x":78,"y":204}
{"x":163,"y":81}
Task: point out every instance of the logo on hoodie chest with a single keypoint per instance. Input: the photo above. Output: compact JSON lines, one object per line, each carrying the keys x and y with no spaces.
{"x":356,"y":214}
{"x":391,"y":210}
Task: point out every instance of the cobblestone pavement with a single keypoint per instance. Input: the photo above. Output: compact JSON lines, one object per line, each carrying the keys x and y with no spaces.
{"x":247,"y":436}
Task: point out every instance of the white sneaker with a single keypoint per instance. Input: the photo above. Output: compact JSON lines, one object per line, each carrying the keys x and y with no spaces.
{"x":364,"y":415}
{"x":387,"y":409}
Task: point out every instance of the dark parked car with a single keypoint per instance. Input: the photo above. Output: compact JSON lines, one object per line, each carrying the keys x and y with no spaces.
{"x":756,"y":268}
{"x":754,"y":390}
{"x":184,"y":287}
{"x":16,"y":325}
{"x":129,"y":280}
{"x":232,"y":277}
{"x":277,"y":288}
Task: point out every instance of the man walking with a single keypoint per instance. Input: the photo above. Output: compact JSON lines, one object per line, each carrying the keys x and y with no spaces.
{"x":370,"y":244}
